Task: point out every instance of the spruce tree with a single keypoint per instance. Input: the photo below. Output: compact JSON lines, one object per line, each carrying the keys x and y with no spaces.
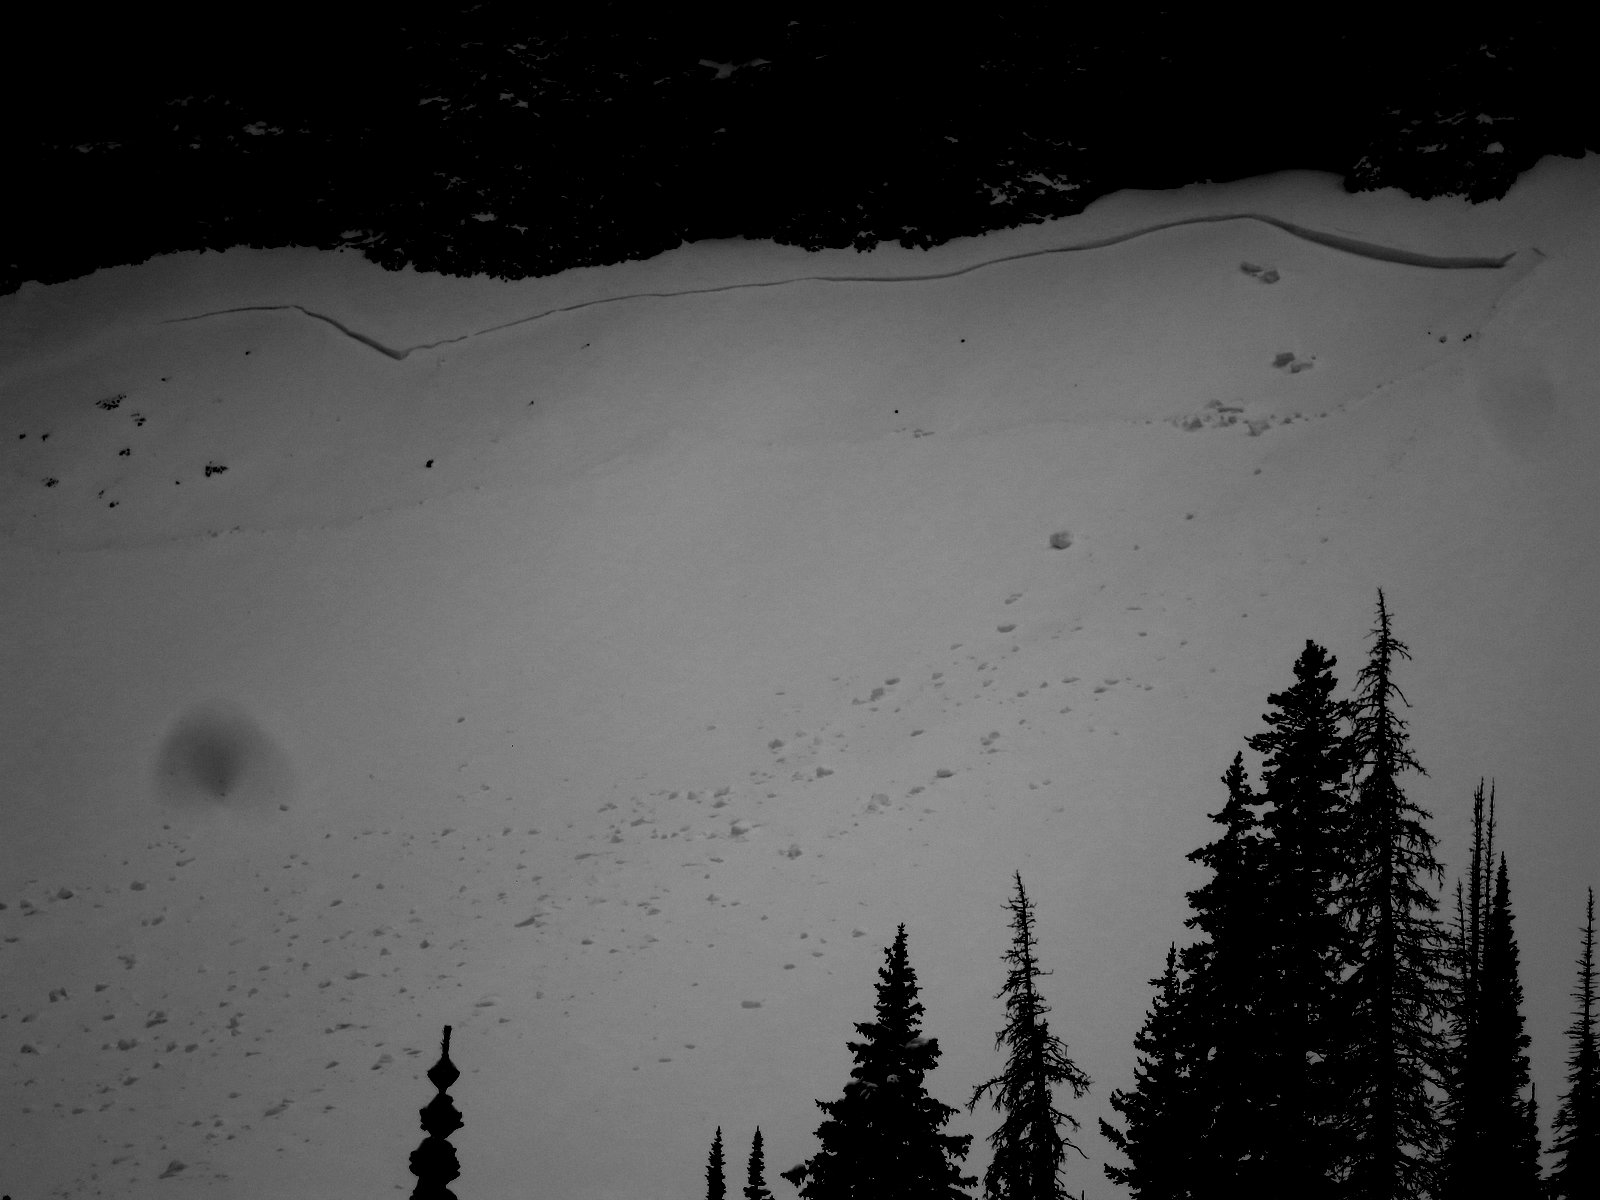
{"x":1525,"y":1155}
{"x":716,"y":1182}
{"x":1226,"y":972}
{"x":882,"y":1138}
{"x":1466,"y":1106}
{"x":1393,"y":995}
{"x":1029,"y":1145}
{"x":1493,"y":1135}
{"x":1246,"y":1054}
{"x":755,"y":1187}
{"x":1577,"y":1125}
{"x":1295,"y":1021}
{"x":1160,"y":1137}
{"x":1513,"y":1167}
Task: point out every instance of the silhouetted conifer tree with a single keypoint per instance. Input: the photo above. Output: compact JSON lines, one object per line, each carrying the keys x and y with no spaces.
{"x":1227,"y":972}
{"x":1513,"y":1131}
{"x":881,"y":1140}
{"x":1393,"y":996}
{"x":716,"y":1183}
{"x":1577,"y":1125}
{"x":755,"y":1187}
{"x":1492,"y":1132}
{"x":1160,"y":1139}
{"x":1029,"y":1145}
{"x":1245,"y":1055}
{"x":1527,"y":1150}
{"x":1468,"y":1106}
{"x":1293,"y":1147}
{"x":434,"y":1161}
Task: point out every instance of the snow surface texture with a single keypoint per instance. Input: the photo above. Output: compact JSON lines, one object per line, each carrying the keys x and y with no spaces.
{"x":610,"y":662}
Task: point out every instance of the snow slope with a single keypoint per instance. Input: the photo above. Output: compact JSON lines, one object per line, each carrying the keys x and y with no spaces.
{"x":606,"y":664}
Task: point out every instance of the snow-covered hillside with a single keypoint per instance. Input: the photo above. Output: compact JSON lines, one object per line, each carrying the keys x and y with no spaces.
{"x":604,"y":665}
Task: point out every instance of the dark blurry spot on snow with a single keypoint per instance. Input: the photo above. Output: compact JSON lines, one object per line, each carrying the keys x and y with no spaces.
{"x":217,"y":756}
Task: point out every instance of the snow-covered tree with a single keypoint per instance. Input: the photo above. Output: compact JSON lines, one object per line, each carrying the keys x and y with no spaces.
{"x":1029,"y":1145}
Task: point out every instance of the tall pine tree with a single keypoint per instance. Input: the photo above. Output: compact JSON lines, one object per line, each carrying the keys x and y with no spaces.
{"x":1513,"y":1126}
{"x":1493,"y":1134}
{"x":1160,"y":1137}
{"x":882,"y":1138}
{"x":1029,"y":1145}
{"x":1245,"y":1056}
{"x":1577,"y":1125}
{"x":1466,"y":1107}
{"x":1295,"y":1023}
{"x":1393,"y":996}
{"x":716,"y":1182}
{"x":1226,"y":973}
{"x":755,"y":1187}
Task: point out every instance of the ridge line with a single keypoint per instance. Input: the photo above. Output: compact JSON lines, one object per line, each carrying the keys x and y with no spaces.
{"x":1334,"y":241}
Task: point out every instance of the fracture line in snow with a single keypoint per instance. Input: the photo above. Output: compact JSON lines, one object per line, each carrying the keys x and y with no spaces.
{"x":373,"y":343}
{"x":1334,"y":241}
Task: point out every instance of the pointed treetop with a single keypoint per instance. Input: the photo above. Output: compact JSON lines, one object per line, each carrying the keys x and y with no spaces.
{"x":755,"y":1187}
{"x":443,"y":1074}
{"x":1376,"y":678}
{"x":1029,"y":1145}
{"x":882,"y":1137}
{"x":716,"y":1184}
{"x":1576,"y":1175}
{"x":897,"y":1006}
{"x":1583,"y":1027}
{"x":434,"y":1161}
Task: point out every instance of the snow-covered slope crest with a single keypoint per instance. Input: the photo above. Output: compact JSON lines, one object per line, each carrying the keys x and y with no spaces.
{"x":202,"y":419}
{"x":610,"y":686}
{"x":1361,"y":249}
{"x":388,"y":307}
